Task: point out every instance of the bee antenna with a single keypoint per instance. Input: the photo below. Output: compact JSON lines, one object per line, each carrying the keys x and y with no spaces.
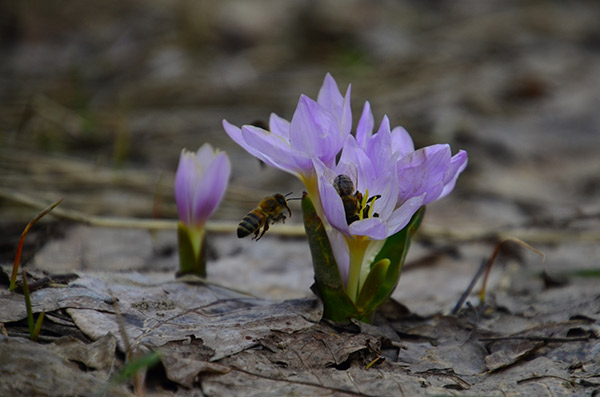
{"x":293,"y":198}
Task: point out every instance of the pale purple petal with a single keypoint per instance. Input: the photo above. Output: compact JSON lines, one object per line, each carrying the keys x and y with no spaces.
{"x":331,"y":99}
{"x":333,"y":206}
{"x":211,"y":189}
{"x":272,"y":149}
{"x":365,"y":126}
{"x":339,"y":247}
{"x":379,"y":148}
{"x":423,"y":172}
{"x":387,"y":187}
{"x":345,"y":120}
{"x":374,"y":228}
{"x":200,"y":184}
{"x":457,"y":166}
{"x":402,"y":215}
{"x":185,"y":185}
{"x":402,"y":142}
{"x":330,"y":96}
{"x":354,"y":157}
{"x":279,"y":126}
{"x":314,"y":131}
{"x":205,"y":156}
{"x":235,"y":133}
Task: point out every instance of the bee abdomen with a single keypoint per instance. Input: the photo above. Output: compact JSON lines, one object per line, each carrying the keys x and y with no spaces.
{"x":250,"y":224}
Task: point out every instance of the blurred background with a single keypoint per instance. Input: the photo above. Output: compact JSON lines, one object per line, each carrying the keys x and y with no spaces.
{"x":97,"y":99}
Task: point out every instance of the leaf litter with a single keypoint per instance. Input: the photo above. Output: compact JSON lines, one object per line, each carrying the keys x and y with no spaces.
{"x":533,"y":167}
{"x":229,"y":343}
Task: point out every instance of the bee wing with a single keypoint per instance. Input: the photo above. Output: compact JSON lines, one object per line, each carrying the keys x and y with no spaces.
{"x":352,"y":172}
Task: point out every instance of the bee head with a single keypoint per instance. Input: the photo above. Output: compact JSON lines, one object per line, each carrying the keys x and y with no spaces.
{"x":281,"y":200}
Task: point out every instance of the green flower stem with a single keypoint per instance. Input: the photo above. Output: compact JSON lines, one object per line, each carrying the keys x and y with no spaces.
{"x":358,"y":247}
{"x":192,"y":255}
{"x":312,"y":187}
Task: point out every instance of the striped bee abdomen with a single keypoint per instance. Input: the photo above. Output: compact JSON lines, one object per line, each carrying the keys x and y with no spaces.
{"x":251,"y":223}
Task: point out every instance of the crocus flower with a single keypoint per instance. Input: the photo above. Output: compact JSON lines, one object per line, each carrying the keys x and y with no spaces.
{"x":394,"y":182}
{"x":358,"y":226}
{"x":317,"y":130}
{"x":376,"y":179}
{"x":200,"y":184}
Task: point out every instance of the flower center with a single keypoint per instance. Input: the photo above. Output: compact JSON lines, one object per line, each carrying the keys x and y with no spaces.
{"x":367,"y":209}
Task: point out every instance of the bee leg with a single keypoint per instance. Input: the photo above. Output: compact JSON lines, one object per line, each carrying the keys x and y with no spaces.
{"x":281,"y":217}
{"x":265,"y":228}
{"x":378,"y":196}
{"x":351,"y":219}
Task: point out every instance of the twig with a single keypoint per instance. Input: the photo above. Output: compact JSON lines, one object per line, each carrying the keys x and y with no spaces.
{"x":537,"y":339}
{"x":136,"y":223}
{"x":487,"y":266}
{"x":542,"y":236}
{"x":13,"y":277}
{"x":467,"y":292}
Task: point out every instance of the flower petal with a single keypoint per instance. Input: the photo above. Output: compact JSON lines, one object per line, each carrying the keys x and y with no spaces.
{"x":185,"y":185}
{"x":279,"y":126}
{"x":374,"y":228}
{"x":333,"y":207}
{"x":341,"y":253}
{"x":423,"y":171}
{"x":354,"y":158}
{"x":211,"y":189}
{"x":314,"y":131}
{"x":402,"y":142}
{"x":458,"y":163}
{"x":366,"y":123}
{"x":235,"y":133}
{"x":271,"y":148}
{"x":402,"y":215}
{"x":379,"y":148}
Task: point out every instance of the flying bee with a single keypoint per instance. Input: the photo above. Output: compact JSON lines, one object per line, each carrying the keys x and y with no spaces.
{"x":269,"y":210}
{"x":352,"y":199}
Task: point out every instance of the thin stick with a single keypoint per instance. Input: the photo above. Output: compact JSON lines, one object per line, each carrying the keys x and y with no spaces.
{"x":467,"y":292}
{"x":13,"y":277}
{"x":542,"y":236}
{"x":490,"y":262}
{"x":487,"y":266}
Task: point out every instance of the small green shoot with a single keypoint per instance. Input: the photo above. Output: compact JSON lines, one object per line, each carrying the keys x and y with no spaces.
{"x":136,"y":365}
{"x":34,"y":329}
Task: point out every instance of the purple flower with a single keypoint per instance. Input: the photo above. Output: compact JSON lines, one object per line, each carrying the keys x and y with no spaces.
{"x":356,"y":242}
{"x":200,"y":184}
{"x":431,"y":170}
{"x":317,"y":130}
{"x":392,"y":179}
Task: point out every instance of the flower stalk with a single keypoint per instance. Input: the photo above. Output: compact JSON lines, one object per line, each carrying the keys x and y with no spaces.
{"x":358,"y":247}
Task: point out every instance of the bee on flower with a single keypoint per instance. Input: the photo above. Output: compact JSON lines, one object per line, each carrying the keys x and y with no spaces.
{"x":366,"y":193}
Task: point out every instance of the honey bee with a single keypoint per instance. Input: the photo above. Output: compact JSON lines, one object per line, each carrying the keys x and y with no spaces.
{"x":269,"y":210}
{"x":352,"y":199}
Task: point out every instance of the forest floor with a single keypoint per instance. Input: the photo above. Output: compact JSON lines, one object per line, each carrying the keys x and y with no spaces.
{"x":98,"y":101}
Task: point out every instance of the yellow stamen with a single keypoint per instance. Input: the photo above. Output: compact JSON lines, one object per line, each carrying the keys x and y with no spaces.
{"x":371,"y":208}
{"x":363,"y":204}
